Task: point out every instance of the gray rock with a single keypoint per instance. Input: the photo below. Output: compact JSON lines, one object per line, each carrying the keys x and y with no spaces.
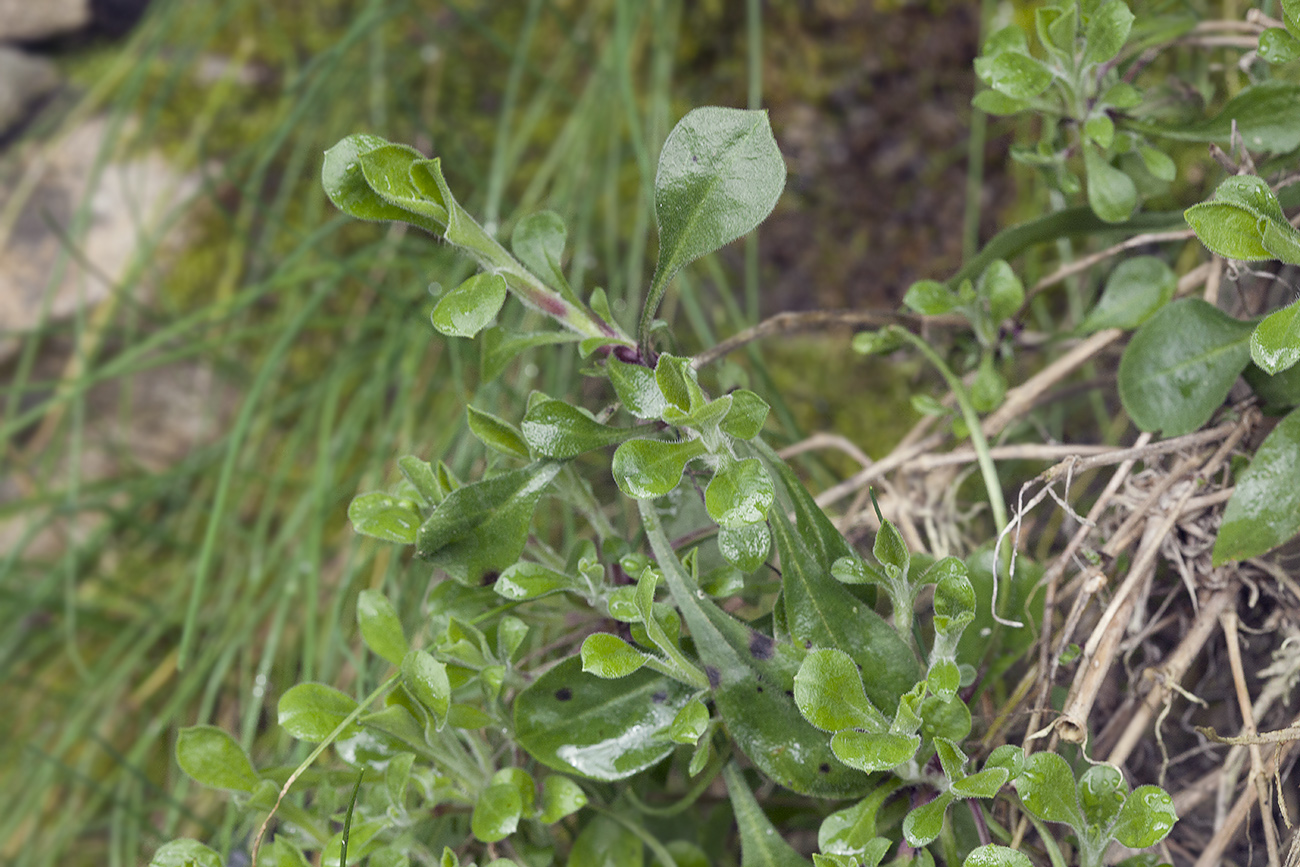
{"x":23,"y":80}
{"x":40,"y":19}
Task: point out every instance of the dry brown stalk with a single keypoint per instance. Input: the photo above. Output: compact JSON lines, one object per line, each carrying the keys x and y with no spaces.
{"x":1140,"y":451}
{"x":1258,"y":777}
{"x":1212,"y":854}
{"x":1017,"y":452}
{"x":1085,"y":262}
{"x":1171,"y":671}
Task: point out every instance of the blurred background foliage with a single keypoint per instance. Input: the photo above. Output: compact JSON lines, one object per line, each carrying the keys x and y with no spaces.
{"x":196,"y":582}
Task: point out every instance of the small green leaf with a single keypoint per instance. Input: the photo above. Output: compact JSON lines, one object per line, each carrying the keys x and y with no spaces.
{"x":874,"y":751}
{"x":993,"y":855}
{"x":606,"y":843}
{"x":1111,"y":193}
{"x":989,"y":386}
{"x":1102,"y":791}
{"x":746,"y":547}
{"x":525,"y":580}
{"x":852,"y":831}
{"x":645,"y":469}
{"x":1266,"y":114}
{"x":1179,"y":366}
{"x":1018,"y":76}
{"x":422,"y":478}
{"x":1277,"y":392}
{"x":1282,"y":240}
{"x":576,"y":723}
{"x":720,"y":174}
{"x":497,"y":433}
{"x":523,"y":783}
{"x":740,"y":493}
{"x":922,"y":825}
{"x":985,"y":784}
{"x":1158,"y":163}
{"x":1108,"y":29}
{"x":891,"y":551}
{"x":1047,"y":789}
{"x":381,"y":628}
{"x":470,"y":307}
{"x":1135,"y":290}
{"x":690,"y":723}
{"x":483,"y":526}
{"x":1275,"y":342}
{"x":1229,"y":230}
{"x":213,"y":758}
{"x":427,"y":680}
{"x":760,"y":843}
{"x":676,"y":380}
{"x":944,"y":678}
{"x":1003,"y":289}
{"x":608,"y":656}
{"x":828,"y":690}
{"x":1101,"y":129}
{"x":496,"y":812}
{"x":185,"y":853}
{"x":1122,"y":95}
{"x":312,"y":711}
{"x":1278,"y":46}
{"x":561,"y":797}
{"x":747,"y":415}
{"x":392,"y":519}
{"x":637,"y":388}
{"x":1007,"y":756}
{"x":1264,"y":510}
{"x":930,"y":297}
{"x":555,"y":429}
{"x":1146,"y":818}
{"x":538,"y":242}
{"x":998,"y":104}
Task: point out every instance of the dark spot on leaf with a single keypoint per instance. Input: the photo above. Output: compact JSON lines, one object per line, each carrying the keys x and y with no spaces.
{"x":489,"y":578}
{"x":790,"y":693}
{"x":760,"y":689}
{"x":659,"y":697}
{"x":563,"y":694}
{"x":761,"y":646}
{"x":824,"y":768}
{"x":808,"y":645}
{"x":714,"y":676}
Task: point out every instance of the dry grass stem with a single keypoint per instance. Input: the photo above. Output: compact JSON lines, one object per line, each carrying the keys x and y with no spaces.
{"x":1083,"y":263}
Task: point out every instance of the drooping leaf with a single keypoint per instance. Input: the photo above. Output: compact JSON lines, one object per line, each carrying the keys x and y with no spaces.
{"x":470,"y":307}
{"x":577,"y":723}
{"x":761,"y":845}
{"x":555,"y":429}
{"x":740,"y":493}
{"x":427,"y":680}
{"x":1146,"y":818}
{"x":312,"y":711}
{"x":383,"y":516}
{"x":645,"y":469}
{"x":483,"y":526}
{"x":214,"y":758}
{"x":828,"y":690}
{"x":720,"y":174}
{"x":1180,"y":364}
{"x":560,"y":797}
{"x":1135,"y":290}
{"x":496,"y":812}
{"x":922,"y":825}
{"x":381,"y":628}
{"x":1111,"y":193}
{"x":1264,"y":510}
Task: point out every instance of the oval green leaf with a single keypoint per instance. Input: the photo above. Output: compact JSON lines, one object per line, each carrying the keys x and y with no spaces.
{"x":720,"y":174}
{"x":496,"y":812}
{"x":185,"y":853}
{"x":922,"y":825}
{"x":645,"y":469}
{"x":1228,"y":230}
{"x":746,"y":547}
{"x":1046,"y":788}
{"x":497,"y":433}
{"x":538,"y":242}
{"x":382,"y":516}
{"x":1275,"y":342}
{"x":994,"y":855}
{"x":828,"y":690}
{"x":560,"y":797}
{"x":555,"y":429}
{"x":1180,"y":364}
{"x":740,"y":493}
{"x":213,"y":758}
{"x":1264,"y":510}
{"x":427,"y":680}
{"x":1135,"y":290}
{"x":381,"y":628}
{"x":1111,"y":193}
{"x":346,"y":185}
{"x":577,"y":723}
{"x":874,"y":751}
{"x":1146,"y":818}
{"x":470,"y":307}
{"x":1108,"y":30}
{"x":609,"y":657}
{"x":1018,"y":76}
{"x":312,"y":711}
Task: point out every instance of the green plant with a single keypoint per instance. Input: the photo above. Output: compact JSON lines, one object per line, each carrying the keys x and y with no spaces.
{"x":814,"y":689}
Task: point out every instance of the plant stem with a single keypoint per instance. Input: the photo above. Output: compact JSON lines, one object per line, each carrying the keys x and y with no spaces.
{"x":977,"y":439}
